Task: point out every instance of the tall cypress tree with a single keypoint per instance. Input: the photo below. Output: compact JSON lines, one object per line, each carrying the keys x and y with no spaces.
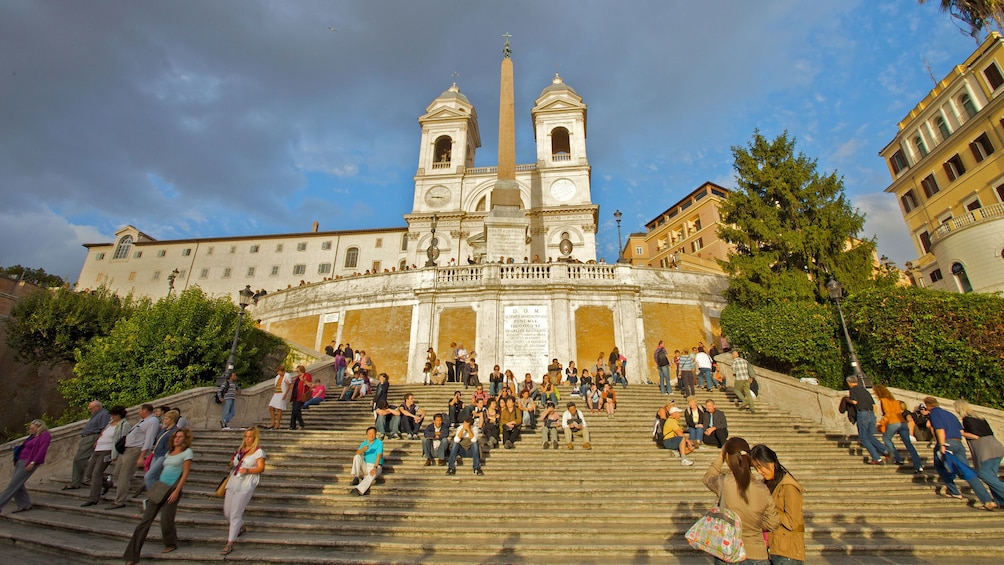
{"x":791,"y":226}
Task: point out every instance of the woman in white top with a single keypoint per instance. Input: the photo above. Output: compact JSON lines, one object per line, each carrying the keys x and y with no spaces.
{"x":104,"y":451}
{"x":279,"y":397}
{"x":248,"y":465}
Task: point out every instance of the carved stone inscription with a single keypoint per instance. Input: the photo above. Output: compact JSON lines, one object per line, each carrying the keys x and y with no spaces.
{"x":525,"y":341}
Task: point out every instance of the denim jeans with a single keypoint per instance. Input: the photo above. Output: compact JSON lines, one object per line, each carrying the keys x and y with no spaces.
{"x":695,"y":434}
{"x":704,"y":378}
{"x":15,"y":488}
{"x":782,"y":560}
{"x":988,"y":472}
{"x":494,"y":388}
{"x":228,"y":411}
{"x":744,"y":562}
{"x":904,"y":434}
{"x":967,"y":474}
{"x":340,"y":376}
{"x":312,"y":402}
{"x":151,"y":476}
{"x":866,"y":435}
{"x":473,"y":451}
{"x":383,"y":427}
{"x":664,"y":386}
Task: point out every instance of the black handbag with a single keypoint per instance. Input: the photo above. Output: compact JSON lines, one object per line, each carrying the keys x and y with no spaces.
{"x":120,"y":446}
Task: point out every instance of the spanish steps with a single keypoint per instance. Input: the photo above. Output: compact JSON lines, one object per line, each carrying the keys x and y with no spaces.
{"x":624,"y":501}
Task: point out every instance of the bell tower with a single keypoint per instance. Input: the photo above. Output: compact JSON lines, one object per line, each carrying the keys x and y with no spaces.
{"x":450,"y":138}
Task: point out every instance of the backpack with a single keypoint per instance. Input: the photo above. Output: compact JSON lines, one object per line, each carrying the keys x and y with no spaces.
{"x":661,"y":358}
{"x":221,"y":392}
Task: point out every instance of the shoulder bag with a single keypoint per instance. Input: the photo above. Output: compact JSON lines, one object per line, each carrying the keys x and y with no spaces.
{"x":719,"y":532}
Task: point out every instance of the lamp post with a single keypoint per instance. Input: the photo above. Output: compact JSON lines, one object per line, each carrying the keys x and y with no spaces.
{"x":246,"y":295}
{"x":170,"y":281}
{"x":836,"y":291}
{"x":620,"y":246}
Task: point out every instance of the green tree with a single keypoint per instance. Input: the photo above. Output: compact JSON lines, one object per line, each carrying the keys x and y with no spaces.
{"x":791,"y":226}
{"x":48,"y":326}
{"x":975,"y":16}
{"x":34,"y":276}
{"x":163,"y":348}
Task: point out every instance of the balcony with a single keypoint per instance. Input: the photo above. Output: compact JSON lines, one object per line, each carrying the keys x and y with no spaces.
{"x":994,"y":211}
{"x":441,"y":165}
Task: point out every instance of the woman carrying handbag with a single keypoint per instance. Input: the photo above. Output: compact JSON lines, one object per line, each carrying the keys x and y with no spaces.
{"x":750,"y":500}
{"x":163,"y":498}
{"x":247,"y":466}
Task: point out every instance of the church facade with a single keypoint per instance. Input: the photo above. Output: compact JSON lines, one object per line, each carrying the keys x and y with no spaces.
{"x":554,"y":194}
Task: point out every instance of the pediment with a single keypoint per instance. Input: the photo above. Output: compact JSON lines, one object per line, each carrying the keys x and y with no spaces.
{"x":439,"y":114}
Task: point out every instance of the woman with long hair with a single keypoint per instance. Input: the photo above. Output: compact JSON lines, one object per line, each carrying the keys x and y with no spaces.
{"x":248,"y":464}
{"x":31,"y":455}
{"x":163,"y":498}
{"x":985,"y":449}
{"x":729,"y":477}
{"x":895,"y":423}
{"x":787,"y":542}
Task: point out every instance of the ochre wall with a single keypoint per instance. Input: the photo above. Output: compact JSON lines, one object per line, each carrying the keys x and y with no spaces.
{"x":383,"y":333}
{"x":594,"y":333}
{"x":677,"y":325}
{"x":329,"y":332}
{"x":459,"y":325}
{"x":301,"y":331}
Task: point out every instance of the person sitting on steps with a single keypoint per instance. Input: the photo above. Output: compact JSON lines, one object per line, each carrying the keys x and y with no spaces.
{"x":436,"y":441}
{"x":574,"y":422}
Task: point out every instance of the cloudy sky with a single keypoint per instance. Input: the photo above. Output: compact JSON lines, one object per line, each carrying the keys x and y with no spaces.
{"x":198,"y":119}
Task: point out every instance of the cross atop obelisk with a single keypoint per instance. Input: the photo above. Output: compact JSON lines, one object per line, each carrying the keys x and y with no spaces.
{"x":506,"y":224}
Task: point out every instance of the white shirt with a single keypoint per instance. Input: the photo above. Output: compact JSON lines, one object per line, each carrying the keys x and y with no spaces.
{"x":703,"y":360}
{"x":460,"y":434}
{"x":568,"y":416}
{"x":246,"y":482}
{"x":107,"y":438}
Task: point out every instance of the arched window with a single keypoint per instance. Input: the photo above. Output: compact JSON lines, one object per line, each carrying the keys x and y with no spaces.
{"x":967,"y":103}
{"x":351,"y":257}
{"x":942,"y":126}
{"x":122,"y":251}
{"x":402,"y":265}
{"x":561,"y":148}
{"x":443,"y":152}
{"x":959,"y":270}
{"x":918,"y":142}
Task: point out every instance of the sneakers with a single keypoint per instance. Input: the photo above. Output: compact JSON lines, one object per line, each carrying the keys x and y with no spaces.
{"x":479,"y":472}
{"x":223,"y":424}
{"x":451,"y":471}
{"x":509,"y":445}
{"x":686,"y":462}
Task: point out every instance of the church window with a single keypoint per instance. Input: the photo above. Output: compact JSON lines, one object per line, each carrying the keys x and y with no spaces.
{"x":275,"y":271}
{"x":637,"y":250}
{"x":302,"y":246}
{"x":379,"y":243}
{"x":204,"y":273}
{"x":403,"y":265}
{"x":250,"y":271}
{"x":561,"y":148}
{"x":99,"y":257}
{"x":226,"y":272}
{"x":122,"y":251}
{"x":324,"y":268}
{"x":443,"y":152}
{"x":325,"y":245}
{"x":404,"y":242}
{"x":376,"y":267}
{"x":351,"y":257}
{"x":137,"y":254}
{"x":299,"y":269}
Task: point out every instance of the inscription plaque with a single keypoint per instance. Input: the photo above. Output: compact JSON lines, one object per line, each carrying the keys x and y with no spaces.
{"x":525,"y":342}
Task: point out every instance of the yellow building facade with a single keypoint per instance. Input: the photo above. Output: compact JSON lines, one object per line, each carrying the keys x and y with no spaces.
{"x":947,"y":165}
{"x":684,"y":236}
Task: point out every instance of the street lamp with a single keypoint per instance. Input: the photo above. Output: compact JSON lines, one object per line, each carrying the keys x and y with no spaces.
{"x":836,"y":291}
{"x":246,"y":295}
{"x":620,"y":246}
{"x":170,"y":281}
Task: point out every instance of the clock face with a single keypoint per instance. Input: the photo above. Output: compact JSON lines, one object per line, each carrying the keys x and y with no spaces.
{"x":563,"y":190}
{"x":437,"y":197}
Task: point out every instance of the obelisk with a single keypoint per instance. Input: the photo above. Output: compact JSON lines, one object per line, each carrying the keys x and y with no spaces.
{"x":506,"y":224}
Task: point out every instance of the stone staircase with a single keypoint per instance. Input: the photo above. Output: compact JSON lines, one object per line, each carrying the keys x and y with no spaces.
{"x":623,"y":501}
